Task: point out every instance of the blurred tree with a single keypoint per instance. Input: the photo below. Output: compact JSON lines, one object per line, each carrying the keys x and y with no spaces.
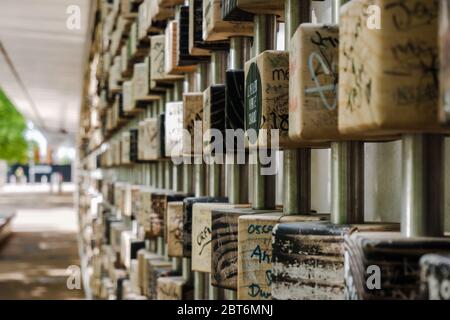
{"x":13,"y":146}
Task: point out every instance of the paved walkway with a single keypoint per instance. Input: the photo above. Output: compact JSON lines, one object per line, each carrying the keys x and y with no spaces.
{"x":34,"y":260}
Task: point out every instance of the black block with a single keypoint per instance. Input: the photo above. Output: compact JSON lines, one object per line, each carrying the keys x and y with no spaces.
{"x":198,"y":31}
{"x":235,"y":102}
{"x":184,"y":58}
{"x":187,"y":219}
{"x":231,"y":12}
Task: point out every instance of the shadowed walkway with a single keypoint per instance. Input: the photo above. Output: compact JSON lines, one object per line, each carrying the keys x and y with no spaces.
{"x":34,"y":260}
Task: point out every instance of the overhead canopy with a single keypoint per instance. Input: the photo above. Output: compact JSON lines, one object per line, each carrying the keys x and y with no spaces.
{"x":42,"y":62}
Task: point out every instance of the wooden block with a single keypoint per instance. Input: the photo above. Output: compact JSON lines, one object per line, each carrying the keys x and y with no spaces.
{"x":158,"y":12}
{"x":174,"y":288}
{"x":183,"y":57}
{"x":174,"y":129}
{"x":198,"y":47}
{"x":187,"y":219}
{"x":231,"y":11}
{"x":234,"y":99}
{"x":398,"y":258}
{"x":135,"y":200}
{"x":216,"y":29}
{"x":192,"y":112}
{"x":201,"y":233}
{"x":157,"y":64}
{"x":388,"y":76}
{"x":175,"y":228}
{"x":141,"y":75}
{"x":128,"y":97}
{"x":224,"y":245}
{"x":142,"y":135}
{"x":213,"y":115}
{"x":126,"y":199}
{"x":157,"y":269}
{"x":259,"y":6}
{"x":144,"y":19}
{"x":313,"y":83}
{"x":308,"y":259}
{"x":125,"y":157}
{"x":444,"y":45}
{"x":172,"y":40}
{"x":254,"y":249}
{"x":158,"y":215}
{"x":267,"y":96}
{"x":146,"y":276}
{"x":146,"y":208}
{"x":153,"y":139}
{"x":143,"y":256}
{"x":169,"y":3}
{"x":435,"y":277}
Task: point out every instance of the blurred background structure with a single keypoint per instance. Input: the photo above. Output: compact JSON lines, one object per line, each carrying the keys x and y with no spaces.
{"x":42,"y":63}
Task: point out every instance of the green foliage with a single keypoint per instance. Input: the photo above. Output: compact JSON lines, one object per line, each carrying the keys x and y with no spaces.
{"x":13,"y":146}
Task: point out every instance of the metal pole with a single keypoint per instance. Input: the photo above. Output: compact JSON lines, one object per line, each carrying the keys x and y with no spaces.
{"x":187,"y":188}
{"x":199,"y":178}
{"x":347,"y":171}
{"x":264,"y":39}
{"x":423,"y":185}
{"x":238,"y":189}
{"x":347,"y":182}
{"x":296,"y":162}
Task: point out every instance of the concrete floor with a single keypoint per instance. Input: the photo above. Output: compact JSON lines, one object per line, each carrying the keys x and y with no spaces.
{"x":34,"y":261}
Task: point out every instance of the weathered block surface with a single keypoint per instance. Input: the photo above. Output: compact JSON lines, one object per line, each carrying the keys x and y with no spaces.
{"x":198,"y":47}
{"x":260,"y":6}
{"x":158,"y":76}
{"x":267,"y":95}
{"x":313,"y":82}
{"x":157,"y":269}
{"x":201,"y":234}
{"x":399,"y":261}
{"x":216,"y":29}
{"x":308,"y":259}
{"x":174,"y":129}
{"x":388,"y":76}
{"x":172,"y":40}
{"x":184,"y":58}
{"x":192,"y":112}
{"x":175,"y":228}
{"x":255,"y":252}
{"x":174,"y":288}
{"x":224,"y":245}
{"x":435,"y":277}
{"x":213,"y":117}
{"x":187,"y":220}
{"x":231,"y":12}
{"x":142,"y":256}
{"x":158,"y":215}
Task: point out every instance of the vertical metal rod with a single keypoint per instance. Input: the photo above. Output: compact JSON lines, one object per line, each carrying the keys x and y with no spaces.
{"x":199,"y":180}
{"x":238,"y":173}
{"x":177,"y":264}
{"x":265,"y":31}
{"x":423,"y":185}
{"x":296,"y":162}
{"x":347,"y":182}
{"x":186,"y":272}
{"x":264,"y":39}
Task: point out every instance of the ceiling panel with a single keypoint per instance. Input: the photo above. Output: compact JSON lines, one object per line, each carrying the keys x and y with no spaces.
{"x":49,"y":58}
